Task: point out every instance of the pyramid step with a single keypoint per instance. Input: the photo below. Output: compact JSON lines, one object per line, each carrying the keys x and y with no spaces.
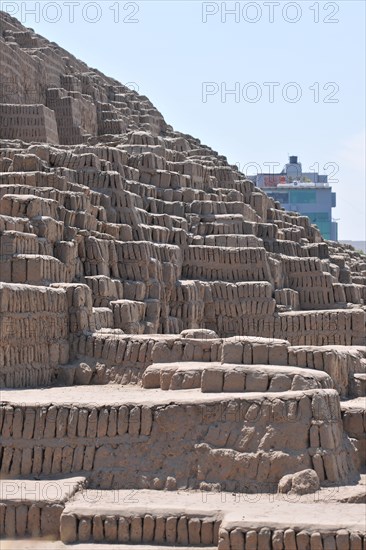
{"x":359,"y":384}
{"x":241,"y":520}
{"x":128,"y":315}
{"x":354,"y":424}
{"x":233,"y":240}
{"x":95,"y":430}
{"x":46,"y":544}
{"x":16,"y":242}
{"x":185,"y":519}
{"x":103,"y":317}
{"x":298,"y":532}
{"x":33,"y":269}
{"x":218,"y":377}
{"x":32,"y":508}
{"x":135,"y":517}
{"x":104,"y":289}
{"x":220,"y":263}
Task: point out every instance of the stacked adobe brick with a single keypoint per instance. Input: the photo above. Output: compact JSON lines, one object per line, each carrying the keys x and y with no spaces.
{"x":134,"y":255}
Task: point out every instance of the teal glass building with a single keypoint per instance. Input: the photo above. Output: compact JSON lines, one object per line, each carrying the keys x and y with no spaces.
{"x":308,"y":193}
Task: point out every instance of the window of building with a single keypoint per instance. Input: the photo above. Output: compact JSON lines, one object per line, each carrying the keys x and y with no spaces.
{"x":303,"y":196}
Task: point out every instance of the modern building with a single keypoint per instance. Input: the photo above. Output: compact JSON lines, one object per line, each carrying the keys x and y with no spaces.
{"x":306,"y":192}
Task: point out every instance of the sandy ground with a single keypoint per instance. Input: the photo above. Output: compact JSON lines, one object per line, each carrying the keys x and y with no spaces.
{"x":110,"y":395}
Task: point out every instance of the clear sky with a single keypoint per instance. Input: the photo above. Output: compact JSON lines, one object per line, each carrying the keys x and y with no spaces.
{"x":296,"y":69}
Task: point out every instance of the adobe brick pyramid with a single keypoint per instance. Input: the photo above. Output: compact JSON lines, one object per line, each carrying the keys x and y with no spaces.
{"x":172,"y":342}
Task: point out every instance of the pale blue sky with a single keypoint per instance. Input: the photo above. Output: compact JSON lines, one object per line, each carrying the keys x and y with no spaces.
{"x":169,"y":52}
